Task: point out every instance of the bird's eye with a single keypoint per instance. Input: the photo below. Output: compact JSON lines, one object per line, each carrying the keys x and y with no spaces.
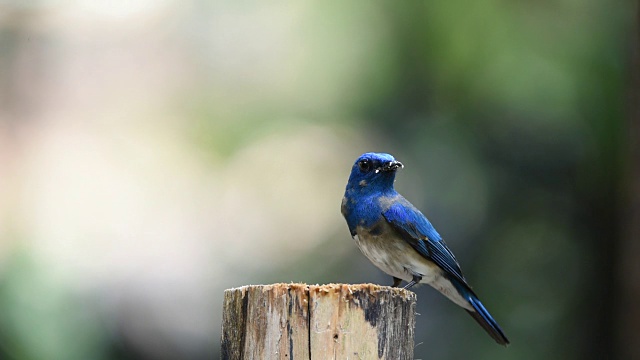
{"x":365,"y":165}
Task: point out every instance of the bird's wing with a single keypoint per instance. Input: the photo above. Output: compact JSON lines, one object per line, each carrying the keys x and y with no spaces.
{"x":414,"y":228}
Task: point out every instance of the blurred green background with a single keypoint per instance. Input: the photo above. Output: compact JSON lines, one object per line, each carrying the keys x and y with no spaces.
{"x":155,"y":153}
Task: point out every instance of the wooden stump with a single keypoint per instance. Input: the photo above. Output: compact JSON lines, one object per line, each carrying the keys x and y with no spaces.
{"x":335,"y":321}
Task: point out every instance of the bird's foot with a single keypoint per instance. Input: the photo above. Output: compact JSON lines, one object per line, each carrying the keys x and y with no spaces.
{"x":396,"y":282}
{"x":415,"y":280}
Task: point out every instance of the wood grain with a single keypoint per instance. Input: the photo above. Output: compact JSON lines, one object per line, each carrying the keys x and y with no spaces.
{"x":334,"y":321}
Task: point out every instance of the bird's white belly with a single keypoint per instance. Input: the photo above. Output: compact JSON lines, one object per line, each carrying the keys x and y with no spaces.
{"x":397,"y":258}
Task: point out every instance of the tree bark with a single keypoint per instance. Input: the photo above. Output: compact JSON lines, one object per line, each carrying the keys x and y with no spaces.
{"x":335,"y":321}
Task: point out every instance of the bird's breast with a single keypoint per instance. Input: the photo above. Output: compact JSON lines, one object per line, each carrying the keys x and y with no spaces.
{"x":393,"y":255}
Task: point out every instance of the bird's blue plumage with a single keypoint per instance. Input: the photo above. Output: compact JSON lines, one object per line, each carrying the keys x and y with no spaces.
{"x":400,"y":240}
{"x":418,"y":231}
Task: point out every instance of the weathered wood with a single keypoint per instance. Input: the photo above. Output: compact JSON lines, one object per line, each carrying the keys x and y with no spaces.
{"x":266,"y":322}
{"x":335,"y":321}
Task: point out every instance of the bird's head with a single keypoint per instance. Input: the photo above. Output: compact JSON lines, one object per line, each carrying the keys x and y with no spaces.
{"x":373,"y":172}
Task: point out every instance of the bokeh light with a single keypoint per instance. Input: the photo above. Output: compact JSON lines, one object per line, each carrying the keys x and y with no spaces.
{"x":155,"y":153}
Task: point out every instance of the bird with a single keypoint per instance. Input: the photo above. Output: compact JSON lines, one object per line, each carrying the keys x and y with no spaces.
{"x":398,"y":239}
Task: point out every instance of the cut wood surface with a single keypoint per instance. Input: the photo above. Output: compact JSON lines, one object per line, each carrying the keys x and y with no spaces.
{"x":334,"y":321}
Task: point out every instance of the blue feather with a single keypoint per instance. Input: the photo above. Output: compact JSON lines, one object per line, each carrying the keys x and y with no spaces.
{"x":423,"y":237}
{"x":371,"y":200}
{"x":481,"y":314}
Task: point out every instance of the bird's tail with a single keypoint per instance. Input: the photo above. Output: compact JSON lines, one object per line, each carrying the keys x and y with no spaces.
{"x":482,"y":316}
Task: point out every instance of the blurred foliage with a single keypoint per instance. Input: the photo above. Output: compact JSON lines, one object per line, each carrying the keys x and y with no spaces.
{"x":536,"y":91}
{"x":42,"y":319}
{"x":508,"y":115}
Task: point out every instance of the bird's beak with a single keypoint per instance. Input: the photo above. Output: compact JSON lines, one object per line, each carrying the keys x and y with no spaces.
{"x":392,"y":166}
